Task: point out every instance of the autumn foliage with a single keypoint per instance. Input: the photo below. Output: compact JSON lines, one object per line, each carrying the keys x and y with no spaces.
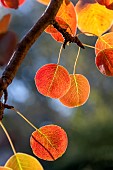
{"x":91,"y":18}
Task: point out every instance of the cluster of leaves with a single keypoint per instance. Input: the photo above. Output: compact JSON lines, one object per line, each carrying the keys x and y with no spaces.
{"x":54,"y":81}
{"x":93,"y":18}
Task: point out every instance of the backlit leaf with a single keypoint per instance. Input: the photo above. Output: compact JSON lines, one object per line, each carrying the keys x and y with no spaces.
{"x":93,"y":17}
{"x":104,"y":61}
{"x":5,"y":168}
{"x":68,"y":16}
{"x":103,"y":42}
{"x":78,"y":92}
{"x":107,"y":3}
{"x":51,"y":144}
{"x":45,"y":2}
{"x":22,"y":161}
{"x":50,"y":29}
{"x":4,"y":23}
{"x":52,"y":80}
{"x":12,"y":4}
{"x":8,"y":43}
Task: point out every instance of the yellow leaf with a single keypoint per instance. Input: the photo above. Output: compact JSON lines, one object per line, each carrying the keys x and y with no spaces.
{"x":93,"y":17}
{"x":22,"y":161}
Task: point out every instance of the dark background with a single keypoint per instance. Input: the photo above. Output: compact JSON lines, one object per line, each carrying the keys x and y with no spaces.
{"x":89,"y":127}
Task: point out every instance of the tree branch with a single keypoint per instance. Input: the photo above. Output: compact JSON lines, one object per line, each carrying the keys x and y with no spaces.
{"x":67,"y":36}
{"x":25,"y":44}
{"x":27,"y":41}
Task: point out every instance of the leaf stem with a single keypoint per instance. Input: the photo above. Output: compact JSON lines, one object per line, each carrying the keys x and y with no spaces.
{"x":90,"y":46}
{"x":32,"y":125}
{"x":24,"y":118}
{"x":8,"y":137}
{"x":76,"y":60}
{"x":58,"y":62}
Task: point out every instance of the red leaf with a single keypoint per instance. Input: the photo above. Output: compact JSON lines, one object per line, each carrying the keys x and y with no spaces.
{"x":104,"y":61}
{"x":8,"y":43}
{"x":50,"y":144}
{"x":78,"y":92}
{"x":52,"y":80}
{"x":12,"y":3}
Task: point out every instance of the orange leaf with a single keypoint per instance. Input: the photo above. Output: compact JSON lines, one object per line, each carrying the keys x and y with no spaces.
{"x":50,"y":29}
{"x":67,"y":19}
{"x":93,"y":17}
{"x":4,"y":168}
{"x":104,"y":61}
{"x":52,"y":80}
{"x":50,"y":144}
{"x":45,"y":2}
{"x":78,"y":92}
{"x":12,"y":4}
{"x":4,"y":23}
{"x":104,"y":42}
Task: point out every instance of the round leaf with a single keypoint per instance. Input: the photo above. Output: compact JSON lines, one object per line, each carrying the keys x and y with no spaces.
{"x":78,"y":92}
{"x":104,"y":62}
{"x":104,"y":42}
{"x":52,"y":80}
{"x":50,"y":144}
{"x":93,"y":17}
{"x":5,"y":168}
{"x":12,"y":4}
{"x":22,"y":161}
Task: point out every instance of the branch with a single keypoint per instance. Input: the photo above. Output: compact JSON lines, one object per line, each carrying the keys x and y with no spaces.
{"x":27,"y":41}
{"x":25,"y":44}
{"x":67,"y":36}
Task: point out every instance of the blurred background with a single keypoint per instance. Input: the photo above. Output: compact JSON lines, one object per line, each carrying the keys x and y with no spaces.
{"x":89,"y":127}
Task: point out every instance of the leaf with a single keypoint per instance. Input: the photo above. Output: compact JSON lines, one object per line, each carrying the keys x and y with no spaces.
{"x":52,"y":80}
{"x":107,"y":3}
{"x":8,"y":43}
{"x":22,"y":161}
{"x":67,"y":15}
{"x":5,"y":168}
{"x":50,"y":29}
{"x":51,"y":144}
{"x":104,"y":42}
{"x":45,"y":2}
{"x":12,"y":4}
{"x":93,"y":17}
{"x":4,"y":23}
{"x":78,"y":92}
{"x":104,"y":61}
